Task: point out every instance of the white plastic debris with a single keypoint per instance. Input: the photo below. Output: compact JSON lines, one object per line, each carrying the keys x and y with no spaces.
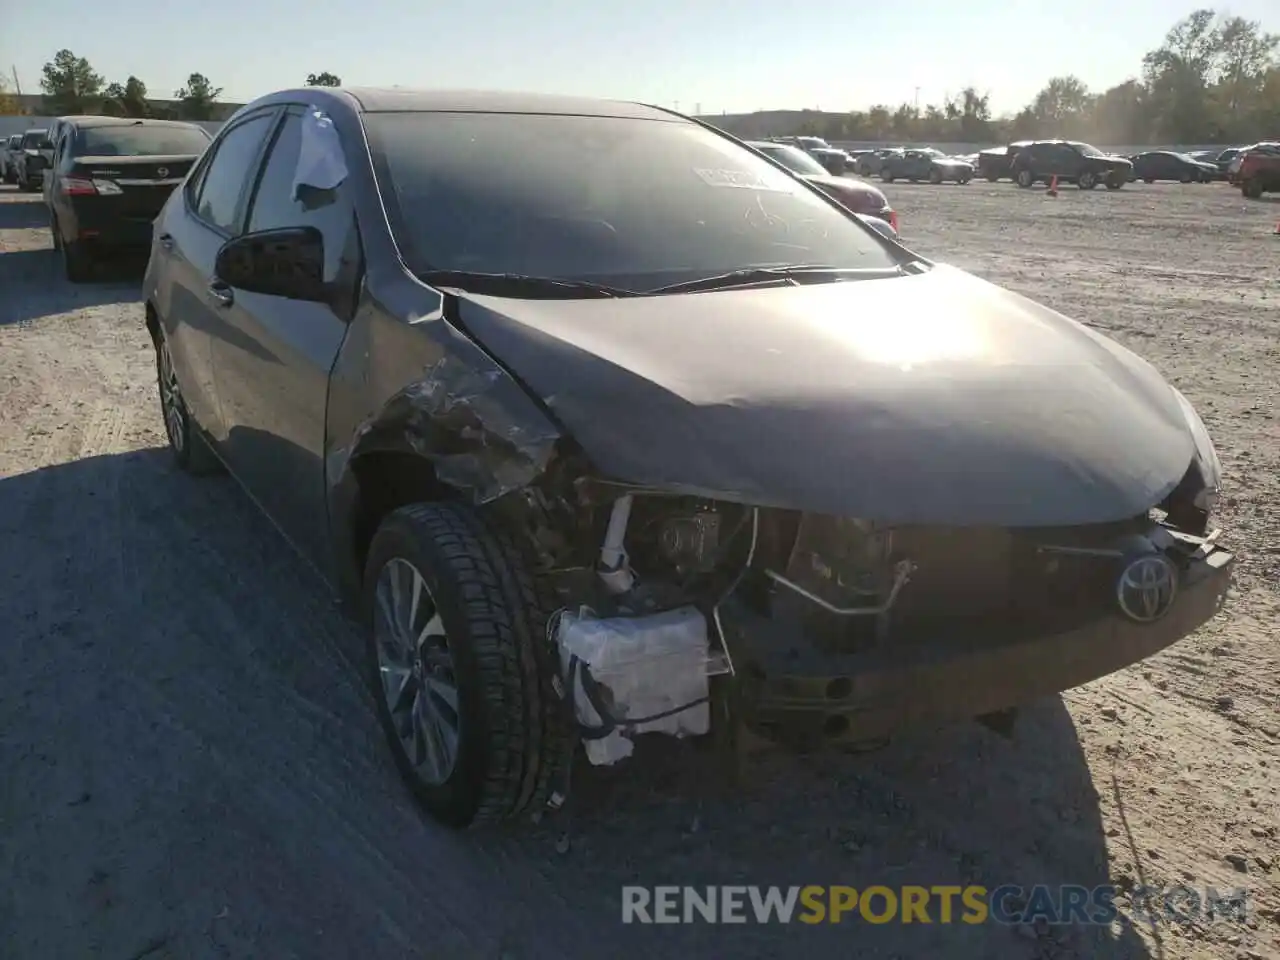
{"x":649,"y":674}
{"x":320,"y":161}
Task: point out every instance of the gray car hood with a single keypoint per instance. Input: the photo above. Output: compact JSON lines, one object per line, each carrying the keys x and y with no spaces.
{"x":936,"y":398}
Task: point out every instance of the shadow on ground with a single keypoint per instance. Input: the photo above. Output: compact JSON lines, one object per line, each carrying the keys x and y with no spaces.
{"x":26,"y":211}
{"x":193,"y":770}
{"x":35,"y":285}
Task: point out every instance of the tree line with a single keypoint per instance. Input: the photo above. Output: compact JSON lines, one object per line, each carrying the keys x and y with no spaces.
{"x":70,"y":85}
{"x":1214,"y":79}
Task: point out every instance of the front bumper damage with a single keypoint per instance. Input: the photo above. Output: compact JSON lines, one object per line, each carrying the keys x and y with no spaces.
{"x":961,"y":673}
{"x":848,"y":633}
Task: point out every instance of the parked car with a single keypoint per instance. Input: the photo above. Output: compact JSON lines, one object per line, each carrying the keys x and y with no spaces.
{"x":1259,"y":170}
{"x":54,"y":131}
{"x":594,"y":460}
{"x":996,"y":163}
{"x":1224,"y":161}
{"x":869,"y":164}
{"x":9,"y":149}
{"x":33,"y":159}
{"x":835,"y":162}
{"x":110,"y":178}
{"x":925,"y":164}
{"x":1071,"y":162}
{"x":1167,"y":165}
{"x":855,"y":195}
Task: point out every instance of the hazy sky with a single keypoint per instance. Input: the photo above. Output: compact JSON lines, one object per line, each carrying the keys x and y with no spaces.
{"x":722,"y":55}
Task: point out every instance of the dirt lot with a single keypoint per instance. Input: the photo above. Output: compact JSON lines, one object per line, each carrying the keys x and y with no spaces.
{"x":191,"y":768}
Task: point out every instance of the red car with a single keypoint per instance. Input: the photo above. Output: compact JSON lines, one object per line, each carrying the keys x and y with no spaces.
{"x":1259,"y":170}
{"x":856,"y":195}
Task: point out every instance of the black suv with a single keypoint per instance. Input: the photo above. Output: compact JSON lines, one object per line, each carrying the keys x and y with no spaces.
{"x":1070,"y":161}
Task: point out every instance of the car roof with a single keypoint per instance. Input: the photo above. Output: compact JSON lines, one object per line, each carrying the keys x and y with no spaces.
{"x":405,"y":100}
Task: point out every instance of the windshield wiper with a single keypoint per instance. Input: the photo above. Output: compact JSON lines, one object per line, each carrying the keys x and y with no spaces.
{"x":776,"y":276}
{"x":518,"y":284}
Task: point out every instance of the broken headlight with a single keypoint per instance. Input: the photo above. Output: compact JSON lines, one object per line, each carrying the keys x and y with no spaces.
{"x":1206,"y":456}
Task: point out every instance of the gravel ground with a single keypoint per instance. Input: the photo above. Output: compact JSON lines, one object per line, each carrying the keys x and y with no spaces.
{"x":192,"y":768}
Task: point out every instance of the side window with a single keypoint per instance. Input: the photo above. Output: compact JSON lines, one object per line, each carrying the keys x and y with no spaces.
{"x":223,"y":179}
{"x":274,"y":206}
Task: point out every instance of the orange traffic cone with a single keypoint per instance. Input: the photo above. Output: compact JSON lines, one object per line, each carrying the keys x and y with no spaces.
{"x":1278,"y":228}
{"x":1053,"y":185}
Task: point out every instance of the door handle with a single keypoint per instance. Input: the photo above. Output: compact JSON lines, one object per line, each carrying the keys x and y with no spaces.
{"x":221,"y":293}
{"x":166,"y":240}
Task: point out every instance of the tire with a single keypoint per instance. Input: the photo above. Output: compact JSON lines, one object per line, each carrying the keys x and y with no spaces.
{"x":964,"y":180}
{"x":886,"y":176}
{"x":993,"y":178}
{"x":1251,"y":188}
{"x":1115,"y":183}
{"x":1087,"y":180}
{"x":935,"y":176}
{"x":1024,"y":179}
{"x":510,"y":725}
{"x":1185,"y":178}
{"x":190,"y":450}
{"x":76,"y":262}
{"x":1148,"y":180}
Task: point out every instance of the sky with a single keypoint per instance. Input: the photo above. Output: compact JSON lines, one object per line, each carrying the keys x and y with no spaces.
{"x":710,"y":56}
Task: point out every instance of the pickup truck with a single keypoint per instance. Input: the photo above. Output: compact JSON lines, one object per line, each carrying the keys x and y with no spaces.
{"x":996,"y":163}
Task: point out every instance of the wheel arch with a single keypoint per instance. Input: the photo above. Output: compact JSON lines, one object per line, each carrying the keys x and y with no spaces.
{"x":443,"y":439}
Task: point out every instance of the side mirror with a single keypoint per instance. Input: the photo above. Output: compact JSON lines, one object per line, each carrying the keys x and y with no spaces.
{"x":288,"y":262}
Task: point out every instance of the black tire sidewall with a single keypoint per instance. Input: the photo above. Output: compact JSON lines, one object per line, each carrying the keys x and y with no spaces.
{"x":456,"y":799}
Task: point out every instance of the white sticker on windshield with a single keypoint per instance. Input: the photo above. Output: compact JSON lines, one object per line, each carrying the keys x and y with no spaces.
{"x":320,"y":161}
{"x":742,"y":179}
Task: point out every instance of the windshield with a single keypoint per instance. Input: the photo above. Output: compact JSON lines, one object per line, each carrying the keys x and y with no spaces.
{"x":794,"y":159}
{"x":1087,"y":149}
{"x":36,"y":140}
{"x":635,"y":204}
{"x":143,"y":140}
{"x":15,"y":140}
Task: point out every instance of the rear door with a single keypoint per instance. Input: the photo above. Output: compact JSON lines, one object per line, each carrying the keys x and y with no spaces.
{"x":273,"y":360}
{"x":187,"y":238}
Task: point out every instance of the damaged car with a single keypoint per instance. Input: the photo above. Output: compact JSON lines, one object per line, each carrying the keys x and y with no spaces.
{"x":644,"y":433}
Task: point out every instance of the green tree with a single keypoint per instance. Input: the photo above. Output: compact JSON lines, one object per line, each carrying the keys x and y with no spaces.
{"x":198,"y":99}
{"x":128,"y":99}
{"x":9,"y":106}
{"x":70,"y":85}
{"x":325,"y":79}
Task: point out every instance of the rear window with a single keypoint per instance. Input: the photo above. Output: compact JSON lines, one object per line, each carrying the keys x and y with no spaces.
{"x":629,"y":202}
{"x":36,"y":140}
{"x":140,"y":141}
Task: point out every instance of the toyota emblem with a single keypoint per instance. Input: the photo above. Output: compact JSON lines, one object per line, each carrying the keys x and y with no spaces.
{"x":1146,"y":588}
{"x":162,"y":173}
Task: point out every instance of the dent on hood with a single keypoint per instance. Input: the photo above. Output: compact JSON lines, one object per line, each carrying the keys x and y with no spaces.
{"x":458,"y":418}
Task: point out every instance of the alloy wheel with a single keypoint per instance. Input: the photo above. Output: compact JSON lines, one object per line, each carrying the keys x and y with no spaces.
{"x":419,"y":681}
{"x":175,"y":413}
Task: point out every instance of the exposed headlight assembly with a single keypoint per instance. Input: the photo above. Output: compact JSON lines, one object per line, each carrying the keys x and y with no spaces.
{"x":1206,"y":456}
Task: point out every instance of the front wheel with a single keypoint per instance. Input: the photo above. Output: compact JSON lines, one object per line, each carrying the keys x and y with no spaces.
{"x":1251,"y":189}
{"x":1024,"y":179}
{"x":886,"y":176}
{"x":935,"y":176}
{"x":1087,"y":180}
{"x":461,"y":667}
{"x":1115,"y":183}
